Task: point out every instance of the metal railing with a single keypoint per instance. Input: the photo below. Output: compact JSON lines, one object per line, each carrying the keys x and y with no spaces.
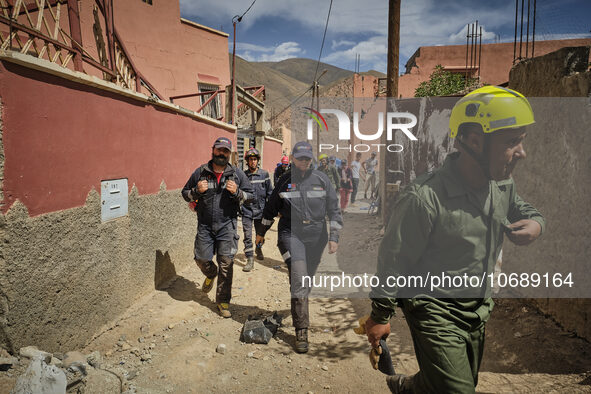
{"x":34,"y":28}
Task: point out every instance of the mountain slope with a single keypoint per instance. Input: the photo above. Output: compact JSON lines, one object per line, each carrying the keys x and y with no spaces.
{"x":303,"y":70}
{"x":280,"y":88}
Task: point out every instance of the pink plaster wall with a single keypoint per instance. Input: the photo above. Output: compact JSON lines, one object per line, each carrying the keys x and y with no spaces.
{"x":174,"y":56}
{"x":272,"y":153}
{"x":61,"y":138}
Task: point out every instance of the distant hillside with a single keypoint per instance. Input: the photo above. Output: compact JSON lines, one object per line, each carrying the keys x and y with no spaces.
{"x":303,"y":70}
{"x":288,"y":79}
{"x":279,"y":87}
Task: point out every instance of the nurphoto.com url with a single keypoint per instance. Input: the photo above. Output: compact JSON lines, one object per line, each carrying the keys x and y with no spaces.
{"x":441,"y":280}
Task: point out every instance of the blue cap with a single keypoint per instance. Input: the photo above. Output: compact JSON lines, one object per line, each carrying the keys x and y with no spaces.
{"x":223,"y":142}
{"x":302,"y":149}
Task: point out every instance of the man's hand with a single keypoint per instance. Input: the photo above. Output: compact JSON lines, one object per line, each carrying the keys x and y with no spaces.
{"x":202,"y":186}
{"x":332,"y":247}
{"x":375,"y":332}
{"x":524,"y":231}
{"x":231,"y":186}
{"x":259,"y":240}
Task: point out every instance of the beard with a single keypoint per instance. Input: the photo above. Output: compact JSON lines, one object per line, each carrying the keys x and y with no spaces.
{"x":219,"y":160}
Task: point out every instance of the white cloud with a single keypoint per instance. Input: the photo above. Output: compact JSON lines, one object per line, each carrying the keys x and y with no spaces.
{"x":244,"y":46}
{"x":257,"y":53}
{"x":342,"y":43}
{"x":372,"y":53}
{"x":460,"y":37}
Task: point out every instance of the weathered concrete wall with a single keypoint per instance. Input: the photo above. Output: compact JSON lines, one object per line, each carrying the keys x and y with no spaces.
{"x":64,"y":273}
{"x":557,"y":175}
{"x":563,"y":73}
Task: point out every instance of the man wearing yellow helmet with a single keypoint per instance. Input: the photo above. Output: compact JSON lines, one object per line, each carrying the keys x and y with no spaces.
{"x":330,"y":171}
{"x":453,"y":220}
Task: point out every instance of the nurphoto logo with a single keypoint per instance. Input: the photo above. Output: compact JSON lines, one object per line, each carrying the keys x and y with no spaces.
{"x":403,"y":121}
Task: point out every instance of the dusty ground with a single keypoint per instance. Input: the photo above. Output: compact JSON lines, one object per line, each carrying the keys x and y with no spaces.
{"x":176,"y":333}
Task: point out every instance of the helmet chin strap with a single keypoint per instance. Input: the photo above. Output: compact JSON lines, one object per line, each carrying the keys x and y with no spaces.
{"x":483,"y":159}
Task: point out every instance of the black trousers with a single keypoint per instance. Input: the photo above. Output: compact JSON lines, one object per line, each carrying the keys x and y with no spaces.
{"x":247,"y":229}
{"x":302,"y":254}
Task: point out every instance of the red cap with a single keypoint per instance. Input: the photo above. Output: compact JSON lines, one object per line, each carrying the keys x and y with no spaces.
{"x":285,"y":160}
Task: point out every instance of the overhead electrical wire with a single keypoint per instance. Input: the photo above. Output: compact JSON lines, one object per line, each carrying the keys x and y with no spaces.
{"x":323,"y":38}
{"x":315,"y":72}
{"x":239,"y":18}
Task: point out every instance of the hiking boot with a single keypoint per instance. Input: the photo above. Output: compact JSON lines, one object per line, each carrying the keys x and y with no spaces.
{"x":259,"y":253}
{"x":224,"y":309}
{"x":301,"y":343}
{"x":207,"y":285}
{"x":249,"y":264}
{"x":400,"y":384}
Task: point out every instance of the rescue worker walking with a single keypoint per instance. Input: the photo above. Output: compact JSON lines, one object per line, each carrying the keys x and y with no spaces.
{"x":303,"y":197}
{"x":454,"y":219}
{"x":218,"y":188}
{"x":282,"y":168}
{"x":331,"y":172}
{"x":253,"y":210}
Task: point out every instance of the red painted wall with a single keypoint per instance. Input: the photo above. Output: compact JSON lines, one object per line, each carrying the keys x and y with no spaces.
{"x":172,"y":55}
{"x":61,"y":138}
{"x":272,"y":152}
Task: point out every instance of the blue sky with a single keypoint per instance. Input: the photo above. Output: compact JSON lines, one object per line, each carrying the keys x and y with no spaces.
{"x":275,"y":30}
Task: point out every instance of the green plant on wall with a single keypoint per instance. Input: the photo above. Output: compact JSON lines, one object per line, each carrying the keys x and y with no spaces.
{"x":443,"y":83}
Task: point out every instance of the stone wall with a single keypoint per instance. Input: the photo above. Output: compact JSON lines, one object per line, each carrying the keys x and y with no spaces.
{"x":557,"y":174}
{"x":564,"y":73}
{"x":65,"y":274}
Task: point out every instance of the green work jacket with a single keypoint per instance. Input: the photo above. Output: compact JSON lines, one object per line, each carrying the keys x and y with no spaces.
{"x":439,"y":224}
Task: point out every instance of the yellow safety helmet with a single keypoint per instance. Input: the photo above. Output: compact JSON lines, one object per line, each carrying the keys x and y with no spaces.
{"x":323,"y":156}
{"x":493,"y":108}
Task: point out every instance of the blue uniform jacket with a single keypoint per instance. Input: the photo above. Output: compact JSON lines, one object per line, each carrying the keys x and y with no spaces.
{"x":304,"y":200}
{"x":217,"y":205}
{"x":261,"y":183}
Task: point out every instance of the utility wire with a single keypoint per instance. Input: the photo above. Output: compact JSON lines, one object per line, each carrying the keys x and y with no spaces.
{"x":322,"y":46}
{"x":290,"y":104}
{"x":315,"y":72}
{"x":239,"y":18}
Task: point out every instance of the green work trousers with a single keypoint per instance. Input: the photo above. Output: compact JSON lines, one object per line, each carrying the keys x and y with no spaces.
{"x":448,"y":351}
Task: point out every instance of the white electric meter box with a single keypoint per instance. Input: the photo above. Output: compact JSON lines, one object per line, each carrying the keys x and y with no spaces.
{"x":114,"y":199}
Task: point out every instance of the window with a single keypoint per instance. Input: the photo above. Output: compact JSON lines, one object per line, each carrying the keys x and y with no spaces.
{"x":147,"y":1}
{"x":213,"y":107}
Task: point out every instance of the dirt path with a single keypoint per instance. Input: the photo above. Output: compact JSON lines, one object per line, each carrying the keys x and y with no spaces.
{"x":167,"y":342}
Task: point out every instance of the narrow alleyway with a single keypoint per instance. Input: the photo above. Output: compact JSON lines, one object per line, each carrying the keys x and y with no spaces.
{"x":166,"y":343}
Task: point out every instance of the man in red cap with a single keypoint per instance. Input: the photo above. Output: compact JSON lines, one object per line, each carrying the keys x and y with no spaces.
{"x":282,"y":168}
{"x":218,"y":188}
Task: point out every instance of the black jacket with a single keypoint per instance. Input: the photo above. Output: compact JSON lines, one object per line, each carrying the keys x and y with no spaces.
{"x":304,"y":200}
{"x":217,"y":205}
{"x":279,"y":171}
{"x":261,"y":183}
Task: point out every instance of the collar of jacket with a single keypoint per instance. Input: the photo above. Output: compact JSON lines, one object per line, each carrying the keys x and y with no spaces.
{"x":230,"y":169}
{"x":454,"y":183}
{"x":297,"y":174}
{"x":252,"y":173}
